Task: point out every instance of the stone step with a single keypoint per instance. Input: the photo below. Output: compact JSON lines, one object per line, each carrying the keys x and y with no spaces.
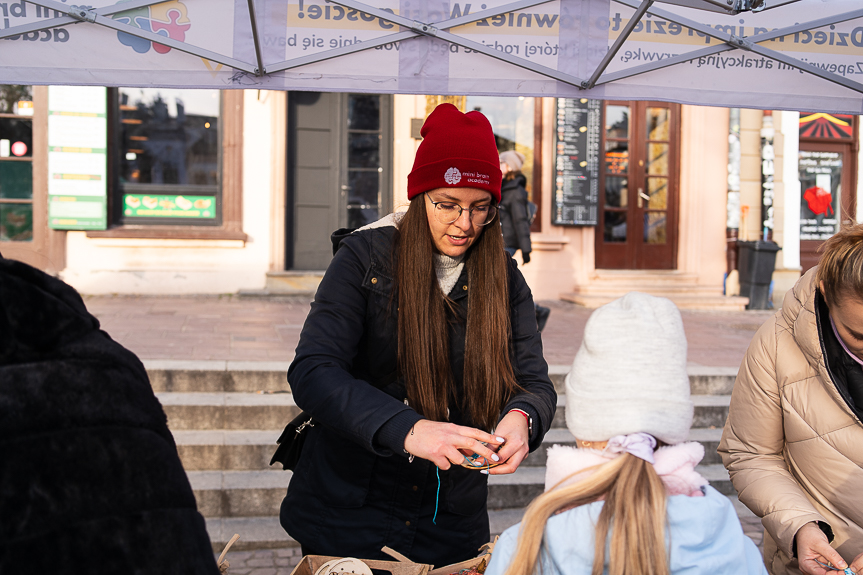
{"x":252,"y":376}
{"x":709,"y":438}
{"x":213,"y":376}
{"x":251,"y":411}
{"x":227,"y":410}
{"x":239,"y":493}
{"x":710,"y":411}
{"x":702,"y":380}
{"x":229,"y":450}
{"x":681,"y":297}
{"x":255,"y":533}
{"x":259,"y":493}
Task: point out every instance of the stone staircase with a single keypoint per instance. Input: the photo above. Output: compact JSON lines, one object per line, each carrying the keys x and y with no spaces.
{"x":681,"y":288}
{"x":226,"y":417}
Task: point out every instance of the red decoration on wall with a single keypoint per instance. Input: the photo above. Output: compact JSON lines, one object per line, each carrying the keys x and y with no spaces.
{"x":819,"y":200}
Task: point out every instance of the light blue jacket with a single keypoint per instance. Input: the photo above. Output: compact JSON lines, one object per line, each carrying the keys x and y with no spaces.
{"x":705,"y":539}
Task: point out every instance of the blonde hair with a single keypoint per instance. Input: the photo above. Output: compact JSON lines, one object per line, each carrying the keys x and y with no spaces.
{"x":841,"y":265}
{"x":634,"y":510}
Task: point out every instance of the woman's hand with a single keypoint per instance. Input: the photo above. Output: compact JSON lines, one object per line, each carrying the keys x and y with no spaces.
{"x":812,"y":546}
{"x":513,"y":427}
{"x":440,"y":443}
{"x":857,"y":564}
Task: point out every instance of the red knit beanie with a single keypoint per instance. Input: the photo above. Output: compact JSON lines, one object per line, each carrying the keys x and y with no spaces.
{"x":458,"y":151}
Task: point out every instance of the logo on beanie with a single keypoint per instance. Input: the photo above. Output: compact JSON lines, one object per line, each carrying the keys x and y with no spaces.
{"x":452,"y":176}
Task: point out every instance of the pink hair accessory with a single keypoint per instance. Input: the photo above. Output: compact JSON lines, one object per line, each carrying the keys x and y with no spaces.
{"x":639,"y":444}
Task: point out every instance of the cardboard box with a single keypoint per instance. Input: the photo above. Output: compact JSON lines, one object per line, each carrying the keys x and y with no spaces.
{"x":311,"y":563}
{"x":402,"y":566}
{"x":479,"y":562}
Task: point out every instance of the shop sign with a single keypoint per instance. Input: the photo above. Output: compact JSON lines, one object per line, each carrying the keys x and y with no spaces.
{"x":576,"y":162}
{"x":820,"y":184}
{"x":170,"y":206}
{"x":77,"y":158}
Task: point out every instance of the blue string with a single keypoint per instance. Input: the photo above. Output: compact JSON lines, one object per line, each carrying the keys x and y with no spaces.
{"x":437,"y":473}
{"x":437,"y":495}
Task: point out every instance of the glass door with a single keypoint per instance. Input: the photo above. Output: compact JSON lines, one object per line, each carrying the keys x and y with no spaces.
{"x":367,"y":184}
{"x":638,"y":221}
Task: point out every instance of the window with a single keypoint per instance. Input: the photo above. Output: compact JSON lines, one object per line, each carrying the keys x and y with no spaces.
{"x":16,"y":163}
{"x":517,"y":126}
{"x":827,"y":164}
{"x":512,"y":120}
{"x":168,"y":157}
{"x":364,"y":159}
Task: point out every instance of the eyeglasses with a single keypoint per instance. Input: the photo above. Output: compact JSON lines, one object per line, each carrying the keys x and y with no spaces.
{"x":448,"y":212}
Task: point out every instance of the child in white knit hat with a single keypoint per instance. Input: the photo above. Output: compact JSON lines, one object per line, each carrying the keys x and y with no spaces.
{"x":627,"y":499}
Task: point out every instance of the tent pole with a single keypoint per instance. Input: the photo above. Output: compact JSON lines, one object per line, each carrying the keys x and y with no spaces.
{"x":253,"y":18}
{"x":612,"y":52}
{"x":664,"y":63}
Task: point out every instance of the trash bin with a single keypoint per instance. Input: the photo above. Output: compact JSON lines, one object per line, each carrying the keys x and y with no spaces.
{"x":755,"y":264}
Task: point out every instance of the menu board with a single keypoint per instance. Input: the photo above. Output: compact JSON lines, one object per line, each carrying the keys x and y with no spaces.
{"x":77,"y":158}
{"x":576,"y":162}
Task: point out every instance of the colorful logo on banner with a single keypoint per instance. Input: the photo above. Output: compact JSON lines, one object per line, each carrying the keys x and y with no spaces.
{"x":821,"y":125}
{"x":169,"y":19}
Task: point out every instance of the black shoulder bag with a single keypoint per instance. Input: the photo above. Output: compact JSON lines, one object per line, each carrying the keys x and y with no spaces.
{"x":291,"y":441}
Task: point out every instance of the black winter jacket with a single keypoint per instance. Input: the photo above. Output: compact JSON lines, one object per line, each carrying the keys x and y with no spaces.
{"x":354,"y":490}
{"x":90,"y":479}
{"x":513,"y":215}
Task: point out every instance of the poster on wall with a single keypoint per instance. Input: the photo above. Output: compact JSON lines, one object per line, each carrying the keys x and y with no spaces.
{"x":170,"y":206}
{"x":576,"y":162}
{"x":77,"y":158}
{"x":821,"y":187}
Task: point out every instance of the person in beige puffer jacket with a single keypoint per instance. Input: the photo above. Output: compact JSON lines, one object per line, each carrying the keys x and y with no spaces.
{"x":792,"y":442}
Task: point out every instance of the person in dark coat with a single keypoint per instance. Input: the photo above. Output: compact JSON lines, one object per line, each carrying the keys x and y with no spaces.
{"x":514,"y":219}
{"x":421,"y":365}
{"x":90,"y":479}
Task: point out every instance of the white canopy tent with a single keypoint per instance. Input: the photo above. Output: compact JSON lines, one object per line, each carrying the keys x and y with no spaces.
{"x":770,"y":54}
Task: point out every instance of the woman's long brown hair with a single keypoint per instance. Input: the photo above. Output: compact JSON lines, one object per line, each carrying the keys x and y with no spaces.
{"x":634,"y":511}
{"x":424,"y":354}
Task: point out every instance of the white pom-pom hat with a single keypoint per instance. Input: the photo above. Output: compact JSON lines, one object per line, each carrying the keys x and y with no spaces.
{"x":630,"y":375}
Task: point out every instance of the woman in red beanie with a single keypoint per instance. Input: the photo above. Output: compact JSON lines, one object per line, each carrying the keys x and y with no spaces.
{"x":421,"y":365}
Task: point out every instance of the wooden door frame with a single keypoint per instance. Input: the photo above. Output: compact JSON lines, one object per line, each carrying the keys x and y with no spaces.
{"x":848,"y":200}
{"x":47,"y":249}
{"x":634,"y":254}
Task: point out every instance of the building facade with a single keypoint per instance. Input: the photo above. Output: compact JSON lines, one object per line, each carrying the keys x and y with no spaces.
{"x":238,"y":191}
